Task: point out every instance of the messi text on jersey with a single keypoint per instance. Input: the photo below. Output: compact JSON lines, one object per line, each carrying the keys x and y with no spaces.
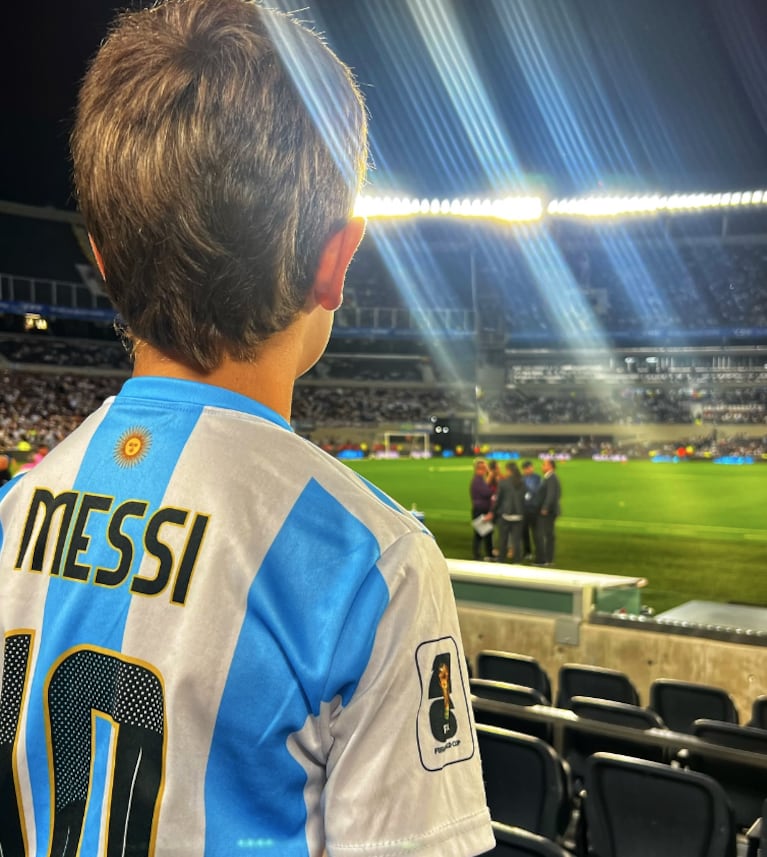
{"x":69,"y":513}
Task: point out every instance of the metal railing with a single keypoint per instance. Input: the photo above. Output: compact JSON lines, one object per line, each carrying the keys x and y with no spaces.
{"x":50,"y":293}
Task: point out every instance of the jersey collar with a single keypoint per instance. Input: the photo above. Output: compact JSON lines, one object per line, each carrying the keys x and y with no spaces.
{"x":196,"y":393}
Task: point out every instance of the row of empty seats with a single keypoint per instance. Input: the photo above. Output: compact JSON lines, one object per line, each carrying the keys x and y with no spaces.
{"x":628,"y":807}
{"x":677,"y":703}
{"x":666,"y":748}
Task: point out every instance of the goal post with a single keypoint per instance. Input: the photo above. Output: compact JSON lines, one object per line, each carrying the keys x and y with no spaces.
{"x":410,"y":444}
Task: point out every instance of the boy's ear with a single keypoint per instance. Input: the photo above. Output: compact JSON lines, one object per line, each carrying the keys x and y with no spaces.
{"x":97,"y":256}
{"x":328,"y":285}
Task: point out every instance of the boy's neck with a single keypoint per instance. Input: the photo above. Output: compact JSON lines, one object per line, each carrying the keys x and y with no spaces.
{"x":268,"y":379}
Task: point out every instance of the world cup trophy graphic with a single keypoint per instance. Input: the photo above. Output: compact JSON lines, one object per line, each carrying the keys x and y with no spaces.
{"x":441,"y":716}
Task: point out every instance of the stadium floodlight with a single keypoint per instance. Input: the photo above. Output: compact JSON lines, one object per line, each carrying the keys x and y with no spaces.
{"x":512,"y":209}
{"x":386,"y":206}
{"x":617,"y":206}
{"x":519,"y":209}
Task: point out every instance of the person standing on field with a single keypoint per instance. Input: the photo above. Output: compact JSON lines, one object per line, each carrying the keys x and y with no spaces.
{"x":550,"y":493}
{"x":531,"y":536}
{"x":481,"y":493}
{"x":263,"y":655}
{"x":508,"y":513}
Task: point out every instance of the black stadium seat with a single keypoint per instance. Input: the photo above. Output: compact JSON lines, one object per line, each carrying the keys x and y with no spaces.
{"x":516,"y":842}
{"x":502,"y":692}
{"x":746,"y":786}
{"x":681,"y":703}
{"x":514,"y":669}
{"x":526,"y":781}
{"x":579,"y":745}
{"x":636,"y":808}
{"x":759,"y":712}
{"x":597,"y":682}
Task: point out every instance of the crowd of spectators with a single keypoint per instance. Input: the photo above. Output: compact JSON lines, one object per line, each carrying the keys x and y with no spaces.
{"x":398,"y":369}
{"x":718,"y":445}
{"x":736,"y":405}
{"x":42,"y":409}
{"x":616,"y":406}
{"x":45,"y":406}
{"x":360,"y":367}
{"x":693,"y":376}
{"x":48,"y":351}
{"x":354,"y":406}
{"x":366,"y":406}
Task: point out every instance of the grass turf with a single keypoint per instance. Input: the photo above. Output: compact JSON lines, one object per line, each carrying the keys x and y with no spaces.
{"x":695,"y":530}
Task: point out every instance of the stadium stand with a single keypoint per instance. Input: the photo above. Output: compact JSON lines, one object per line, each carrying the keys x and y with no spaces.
{"x":65,"y":353}
{"x":45,"y":408}
{"x":418,"y":277}
{"x":59,"y":380}
{"x":405,"y":347}
{"x":735,"y":757}
{"x":718,"y":759}
{"x":705,"y":285}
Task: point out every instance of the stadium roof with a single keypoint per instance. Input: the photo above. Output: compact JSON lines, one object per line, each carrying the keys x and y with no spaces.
{"x":470,"y":97}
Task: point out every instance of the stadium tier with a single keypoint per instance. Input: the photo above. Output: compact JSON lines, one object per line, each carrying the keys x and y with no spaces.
{"x":669,"y":281}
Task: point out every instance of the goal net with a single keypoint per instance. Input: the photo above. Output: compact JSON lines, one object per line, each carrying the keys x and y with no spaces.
{"x":412,"y":444}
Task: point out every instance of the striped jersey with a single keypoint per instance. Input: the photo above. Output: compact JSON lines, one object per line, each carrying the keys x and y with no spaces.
{"x":220,"y":641}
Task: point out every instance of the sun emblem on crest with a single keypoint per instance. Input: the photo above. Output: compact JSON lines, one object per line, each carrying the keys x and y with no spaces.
{"x":132,"y":447}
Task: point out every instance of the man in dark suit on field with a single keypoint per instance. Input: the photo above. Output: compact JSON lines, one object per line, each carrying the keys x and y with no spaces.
{"x":531,"y":535}
{"x":550,"y":495}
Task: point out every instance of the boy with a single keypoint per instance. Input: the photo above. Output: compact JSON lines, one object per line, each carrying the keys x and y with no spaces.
{"x":218,"y":639}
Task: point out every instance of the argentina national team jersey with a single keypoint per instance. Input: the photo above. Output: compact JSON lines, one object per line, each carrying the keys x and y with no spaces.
{"x":220,"y":641}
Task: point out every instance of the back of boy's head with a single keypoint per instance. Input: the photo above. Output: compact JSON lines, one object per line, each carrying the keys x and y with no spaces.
{"x":216,"y":149}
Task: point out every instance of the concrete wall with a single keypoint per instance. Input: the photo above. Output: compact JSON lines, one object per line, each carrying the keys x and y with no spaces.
{"x":643,"y":655}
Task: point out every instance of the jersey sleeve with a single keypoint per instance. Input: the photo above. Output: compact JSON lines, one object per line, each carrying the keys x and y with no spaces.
{"x":403,"y":771}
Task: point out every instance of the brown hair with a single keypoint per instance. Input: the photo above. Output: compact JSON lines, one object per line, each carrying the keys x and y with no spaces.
{"x":514,"y":474}
{"x":206,"y":174}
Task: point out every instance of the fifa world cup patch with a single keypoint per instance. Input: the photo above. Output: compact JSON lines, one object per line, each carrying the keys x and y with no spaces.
{"x":444,"y":728}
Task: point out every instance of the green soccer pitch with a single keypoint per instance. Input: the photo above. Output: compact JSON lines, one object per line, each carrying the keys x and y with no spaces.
{"x":695,"y":530}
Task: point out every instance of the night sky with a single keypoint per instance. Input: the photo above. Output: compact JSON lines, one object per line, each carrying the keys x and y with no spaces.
{"x":469,"y":96}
